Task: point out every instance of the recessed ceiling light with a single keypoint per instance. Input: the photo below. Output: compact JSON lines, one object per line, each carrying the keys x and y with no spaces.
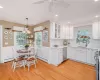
{"x":96,"y":0}
{"x":56,"y":15}
{"x":96,"y":16}
{"x":68,"y":22}
{"x":1,"y":7}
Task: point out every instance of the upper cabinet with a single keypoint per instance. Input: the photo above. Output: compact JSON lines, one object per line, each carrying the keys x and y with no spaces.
{"x":55,"y":30}
{"x":67,"y":32}
{"x":96,"y":30}
{"x":61,"y":32}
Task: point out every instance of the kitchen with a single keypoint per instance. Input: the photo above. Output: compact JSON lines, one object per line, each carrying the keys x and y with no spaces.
{"x":63,"y":48}
{"x":65,"y":40}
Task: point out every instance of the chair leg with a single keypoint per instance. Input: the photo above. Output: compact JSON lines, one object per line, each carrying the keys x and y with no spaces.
{"x":23,"y":62}
{"x":14,"y":67}
{"x":28,"y":66}
{"x":13,"y":64}
{"x":35,"y":63}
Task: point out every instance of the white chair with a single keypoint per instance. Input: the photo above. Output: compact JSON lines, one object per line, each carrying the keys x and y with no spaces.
{"x":31,"y":60}
{"x":18,"y":61}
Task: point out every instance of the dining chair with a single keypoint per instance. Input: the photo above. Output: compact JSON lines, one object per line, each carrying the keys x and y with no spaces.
{"x":32,"y":59}
{"x":18,"y":61}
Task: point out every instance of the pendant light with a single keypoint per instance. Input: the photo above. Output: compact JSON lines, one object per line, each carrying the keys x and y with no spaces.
{"x":26,"y":30}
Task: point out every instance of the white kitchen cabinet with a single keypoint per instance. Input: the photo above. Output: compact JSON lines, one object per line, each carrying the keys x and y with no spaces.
{"x":85,"y":55}
{"x":58,"y":31}
{"x":90,"y":56}
{"x":71,"y":32}
{"x":81,"y":54}
{"x":55,"y":30}
{"x":60,"y":56}
{"x":67,"y":32}
{"x":78,"y":54}
{"x":71,"y":53}
{"x":56,"y":56}
{"x":96,"y":30}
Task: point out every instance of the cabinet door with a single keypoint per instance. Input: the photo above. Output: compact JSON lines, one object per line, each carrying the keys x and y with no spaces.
{"x":52,"y":30}
{"x":89,"y":55}
{"x":95,"y":30}
{"x":92,"y":57}
{"x":71,"y":53}
{"x":53,"y":56}
{"x":81,"y":55}
{"x":71,"y":32}
{"x":63,"y":32}
{"x":67,"y":30}
{"x":60,"y":55}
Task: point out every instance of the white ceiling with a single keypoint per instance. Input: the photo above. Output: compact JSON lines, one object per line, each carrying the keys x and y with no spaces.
{"x":79,"y":11}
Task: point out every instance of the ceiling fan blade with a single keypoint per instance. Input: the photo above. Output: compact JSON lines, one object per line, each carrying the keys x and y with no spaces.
{"x":62,"y":3}
{"x":39,"y":2}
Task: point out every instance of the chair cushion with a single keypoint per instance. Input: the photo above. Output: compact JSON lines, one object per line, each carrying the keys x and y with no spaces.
{"x":30,"y":59}
{"x":18,"y":59}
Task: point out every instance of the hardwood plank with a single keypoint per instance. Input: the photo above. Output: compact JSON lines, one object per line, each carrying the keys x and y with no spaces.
{"x":69,"y":70}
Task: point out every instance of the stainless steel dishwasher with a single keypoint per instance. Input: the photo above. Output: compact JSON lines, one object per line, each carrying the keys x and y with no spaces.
{"x":64,"y":53}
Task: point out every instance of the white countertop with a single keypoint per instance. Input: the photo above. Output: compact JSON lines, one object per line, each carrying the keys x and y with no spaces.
{"x":59,"y":47}
{"x":85,"y":47}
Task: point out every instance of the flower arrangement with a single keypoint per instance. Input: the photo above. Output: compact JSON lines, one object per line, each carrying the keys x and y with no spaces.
{"x":83,"y":38}
{"x":26,"y":46}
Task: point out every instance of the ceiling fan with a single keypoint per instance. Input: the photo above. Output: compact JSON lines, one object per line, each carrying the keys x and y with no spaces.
{"x":54,"y":3}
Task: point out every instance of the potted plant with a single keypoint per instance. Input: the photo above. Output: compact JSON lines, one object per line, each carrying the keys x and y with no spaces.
{"x":26,"y":46}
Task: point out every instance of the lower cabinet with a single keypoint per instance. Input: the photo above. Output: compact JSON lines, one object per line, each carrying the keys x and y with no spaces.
{"x":56,"y":56}
{"x":71,"y":53}
{"x":81,"y":54}
{"x":90,"y":56}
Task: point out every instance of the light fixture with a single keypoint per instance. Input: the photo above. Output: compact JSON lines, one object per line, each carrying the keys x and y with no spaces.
{"x":1,"y":7}
{"x":96,"y":16}
{"x":56,"y":15}
{"x":96,"y":0}
{"x":68,"y":22}
{"x":26,"y":30}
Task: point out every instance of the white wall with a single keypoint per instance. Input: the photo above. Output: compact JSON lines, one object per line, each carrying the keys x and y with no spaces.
{"x":93,"y":42}
{"x":58,"y":42}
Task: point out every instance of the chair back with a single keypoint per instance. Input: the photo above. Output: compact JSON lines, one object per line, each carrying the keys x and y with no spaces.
{"x":32,"y":51}
{"x":15,"y":55}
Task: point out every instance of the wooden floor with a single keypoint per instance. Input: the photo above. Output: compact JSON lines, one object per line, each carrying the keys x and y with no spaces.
{"x":68,"y":70}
